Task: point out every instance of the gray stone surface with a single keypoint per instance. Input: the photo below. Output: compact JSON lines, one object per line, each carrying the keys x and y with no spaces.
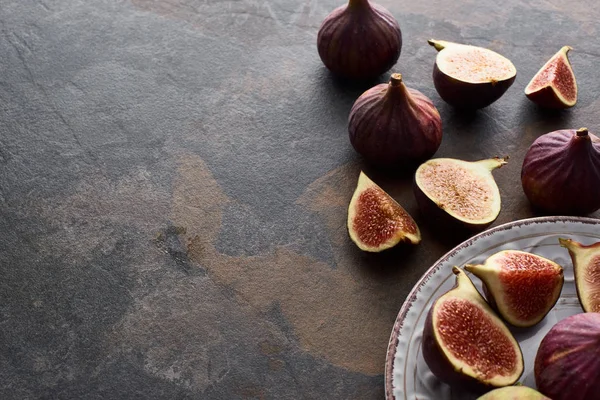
{"x":174,"y":179}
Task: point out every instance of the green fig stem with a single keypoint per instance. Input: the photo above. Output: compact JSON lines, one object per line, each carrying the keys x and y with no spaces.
{"x":565,"y":49}
{"x":581,"y":132}
{"x":566,"y":243}
{"x":493,"y":163}
{"x":439,"y":44}
{"x":359,"y":4}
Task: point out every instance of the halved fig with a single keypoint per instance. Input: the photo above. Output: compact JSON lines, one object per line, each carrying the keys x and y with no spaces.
{"x":522,"y":287}
{"x":514,"y":393}
{"x":586,"y":265}
{"x":453,"y":191}
{"x":465,"y":343}
{"x":554,"y":85}
{"x":377,"y":222}
{"x":470,"y":77}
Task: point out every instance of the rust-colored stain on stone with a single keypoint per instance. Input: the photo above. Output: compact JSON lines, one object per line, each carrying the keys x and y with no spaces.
{"x":334,"y":315}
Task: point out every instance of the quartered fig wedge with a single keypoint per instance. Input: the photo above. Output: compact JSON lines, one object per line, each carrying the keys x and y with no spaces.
{"x":377,"y":222}
{"x":554,"y":85}
{"x":522,"y":287}
{"x":456,"y":191}
{"x":465,"y":343}
{"x":514,"y":393}
{"x":470,"y":77}
{"x":586,"y":265}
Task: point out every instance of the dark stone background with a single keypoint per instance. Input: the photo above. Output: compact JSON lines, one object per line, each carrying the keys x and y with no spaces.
{"x":174,"y":179}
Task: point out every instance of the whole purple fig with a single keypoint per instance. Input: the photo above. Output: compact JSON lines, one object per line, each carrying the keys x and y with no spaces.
{"x":360,"y":40}
{"x":393,"y":126}
{"x":561,"y":172}
{"x":567,"y":366}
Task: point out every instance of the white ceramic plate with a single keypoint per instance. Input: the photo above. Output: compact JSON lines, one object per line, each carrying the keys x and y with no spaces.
{"x":406,"y":374}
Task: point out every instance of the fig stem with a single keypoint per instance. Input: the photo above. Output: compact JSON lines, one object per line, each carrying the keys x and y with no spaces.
{"x":438,"y":44}
{"x":396,"y":80}
{"x":582,"y":132}
{"x":566,"y":49}
{"x":493,"y":163}
{"x":358,"y":3}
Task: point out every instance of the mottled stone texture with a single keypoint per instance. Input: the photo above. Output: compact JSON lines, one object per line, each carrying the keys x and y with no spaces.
{"x":174,"y":178}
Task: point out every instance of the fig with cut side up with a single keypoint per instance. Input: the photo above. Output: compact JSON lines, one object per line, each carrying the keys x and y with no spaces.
{"x":359,"y":40}
{"x":466,"y":344}
{"x":567,"y":365}
{"x":457,"y":192}
{"x":586,"y":266}
{"x":394,"y":126}
{"x":522,"y":287}
{"x":470,"y":77}
{"x":554,"y":85}
{"x":377,"y":222}
{"x":514,"y":393}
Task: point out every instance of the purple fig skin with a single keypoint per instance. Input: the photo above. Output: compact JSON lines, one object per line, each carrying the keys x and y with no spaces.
{"x":561,"y":172}
{"x":359,"y":41}
{"x":567,"y":365}
{"x":393,"y":126}
{"x":466,"y":95}
{"x":438,"y":362}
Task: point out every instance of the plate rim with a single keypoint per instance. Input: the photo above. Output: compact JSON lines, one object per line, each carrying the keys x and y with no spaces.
{"x":412,"y":295}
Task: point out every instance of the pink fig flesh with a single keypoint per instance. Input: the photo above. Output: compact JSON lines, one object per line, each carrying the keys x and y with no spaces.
{"x":377,"y":222}
{"x":567,"y":365}
{"x":554,"y":85}
{"x":586,"y":265}
{"x":523,"y":287}
{"x":470,"y":77}
{"x":458,"y":192}
{"x":465,"y":343}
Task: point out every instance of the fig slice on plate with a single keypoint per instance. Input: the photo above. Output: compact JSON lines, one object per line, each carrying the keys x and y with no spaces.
{"x":514,"y":393}
{"x":456,"y":191}
{"x":522,"y":287}
{"x":567,"y":363}
{"x":377,"y":222}
{"x":554,"y":85}
{"x":466,"y":344}
{"x":470,"y":77}
{"x":586,"y":265}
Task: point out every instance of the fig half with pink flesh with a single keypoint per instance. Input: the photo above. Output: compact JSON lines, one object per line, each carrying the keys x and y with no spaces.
{"x":376,"y":221}
{"x":457,"y":192}
{"x":466,"y":344}
{"x":567,"y":363}
{"x":586,"y":265}
{"x":470,"y":77}
{"x":554,"y":85}
{"x":514,"y":393}
{"x":522,"y":287}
